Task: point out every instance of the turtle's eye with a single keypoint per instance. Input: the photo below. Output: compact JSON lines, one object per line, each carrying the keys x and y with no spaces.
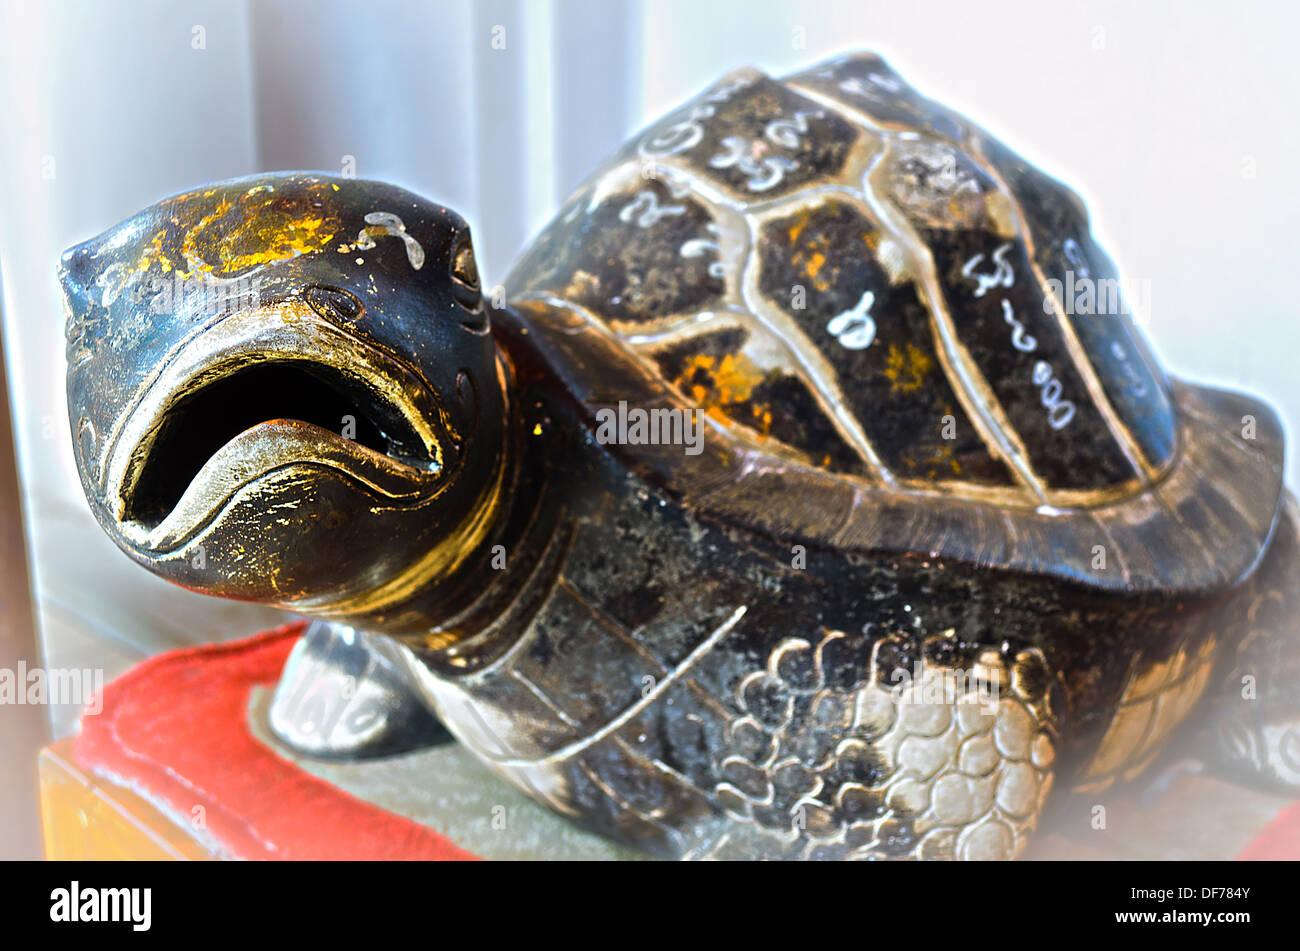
{"x":464,"y":275}
{"x":329,"y":301}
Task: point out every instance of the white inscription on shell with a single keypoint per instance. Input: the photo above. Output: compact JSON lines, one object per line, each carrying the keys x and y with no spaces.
{"x":854,"y":329}
{"x":647,"y":211}
{"x":1059,"y":411}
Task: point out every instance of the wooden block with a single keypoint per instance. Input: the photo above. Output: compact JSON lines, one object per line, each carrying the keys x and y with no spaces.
{"x":86,"y":817}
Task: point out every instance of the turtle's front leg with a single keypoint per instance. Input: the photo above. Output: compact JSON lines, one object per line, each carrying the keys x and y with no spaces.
{"x":345,"y":694}
{"x":892,"y":759}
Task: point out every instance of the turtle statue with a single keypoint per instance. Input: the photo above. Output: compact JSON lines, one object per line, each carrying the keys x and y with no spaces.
{"x":806,"y":491}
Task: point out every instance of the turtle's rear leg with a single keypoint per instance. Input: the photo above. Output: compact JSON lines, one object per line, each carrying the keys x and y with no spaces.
{"x":1249,"y":728}
{"x":345,"y":694}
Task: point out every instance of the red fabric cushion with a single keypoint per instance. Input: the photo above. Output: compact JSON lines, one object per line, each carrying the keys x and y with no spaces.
{"x":1277,"y":841}
{"x":175,"y":727}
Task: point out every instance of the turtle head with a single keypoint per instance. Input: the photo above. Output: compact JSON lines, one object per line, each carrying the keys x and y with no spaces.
{"x":285,"y":389}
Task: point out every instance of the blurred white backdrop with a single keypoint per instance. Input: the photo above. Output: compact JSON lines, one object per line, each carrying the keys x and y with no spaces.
{"x":1177,"y":121}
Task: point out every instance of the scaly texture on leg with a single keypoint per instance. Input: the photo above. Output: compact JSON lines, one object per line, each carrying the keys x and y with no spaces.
{"x":940,"y":763}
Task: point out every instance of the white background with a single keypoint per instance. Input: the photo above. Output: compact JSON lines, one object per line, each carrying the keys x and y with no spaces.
{"x":1177,"y":122}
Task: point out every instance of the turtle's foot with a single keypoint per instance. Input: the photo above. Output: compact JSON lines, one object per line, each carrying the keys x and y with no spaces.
{"x":345,"y":694}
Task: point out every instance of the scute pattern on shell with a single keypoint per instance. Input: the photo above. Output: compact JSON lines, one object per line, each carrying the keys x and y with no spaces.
{"x":953,"y":764}
{"x":847,"y":342}
{"x":866,"y":256}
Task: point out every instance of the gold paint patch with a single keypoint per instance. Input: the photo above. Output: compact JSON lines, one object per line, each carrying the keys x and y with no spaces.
{"x":719,"y":386}
{"x":907,"y":370}
{"x":221,"y":236}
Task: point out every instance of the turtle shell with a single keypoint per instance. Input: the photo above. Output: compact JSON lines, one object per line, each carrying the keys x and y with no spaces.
{"x":902,"y":336}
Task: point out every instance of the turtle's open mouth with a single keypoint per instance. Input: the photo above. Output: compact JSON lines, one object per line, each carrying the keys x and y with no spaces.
{"x":255,"y":398}
{"x":199,"y":424}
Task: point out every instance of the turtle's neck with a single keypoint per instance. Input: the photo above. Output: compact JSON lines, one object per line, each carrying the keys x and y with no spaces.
{"x":550,"y":468}
{"x":471,"y":617}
